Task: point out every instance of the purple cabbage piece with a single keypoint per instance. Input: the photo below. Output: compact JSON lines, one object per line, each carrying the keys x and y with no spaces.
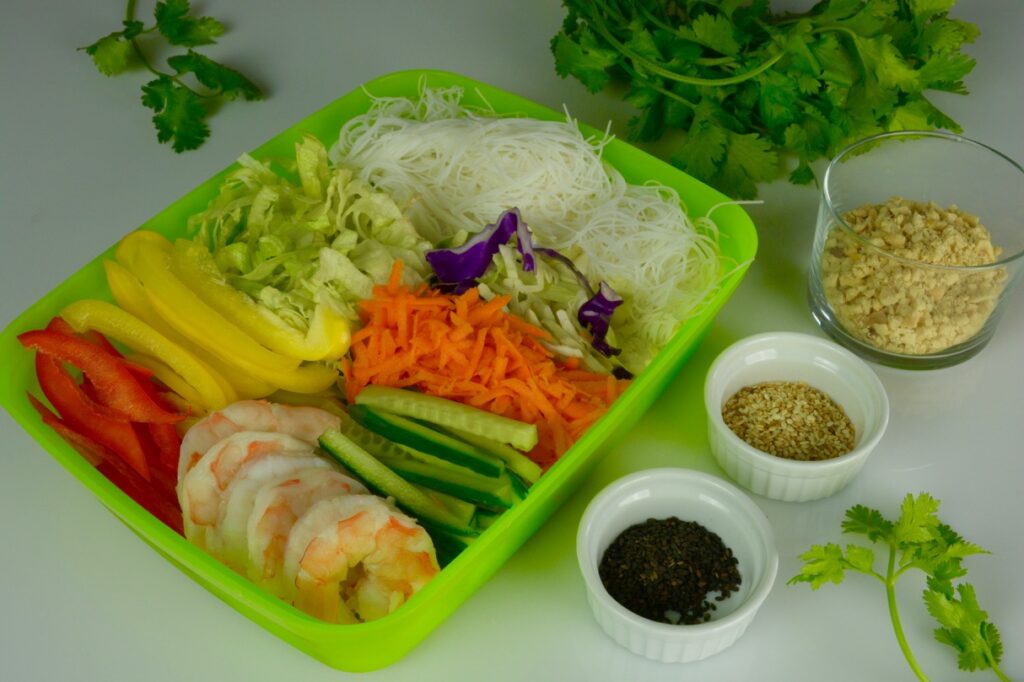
{"x":458,"y":269}
{"x":596,"y":315}
{"x":567,"y":262}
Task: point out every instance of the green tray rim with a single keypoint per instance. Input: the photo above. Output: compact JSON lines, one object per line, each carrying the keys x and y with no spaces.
{"x":373,"y":645}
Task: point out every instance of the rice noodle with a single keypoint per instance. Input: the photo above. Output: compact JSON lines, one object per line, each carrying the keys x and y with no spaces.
{"x":457,"y":169}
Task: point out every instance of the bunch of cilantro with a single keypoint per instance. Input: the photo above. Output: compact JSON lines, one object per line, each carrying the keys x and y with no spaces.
{"x":180,"y":109}
{"x":758,"y":92}
{"x":917,"y":540}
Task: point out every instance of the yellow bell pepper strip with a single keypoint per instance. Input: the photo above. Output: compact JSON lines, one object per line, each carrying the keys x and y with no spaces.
{"x":328,"y":335}
{"x":309,"y":378}
{"x":171,"y":380}
{"x":188,"y":313}
{"x":129,"y":245}
{"x":130,"y":295}
{"x":124,"y":327}
{"x":326,"y":401}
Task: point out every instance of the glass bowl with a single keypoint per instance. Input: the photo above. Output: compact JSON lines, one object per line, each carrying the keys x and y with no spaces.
{"x":919,"y":242}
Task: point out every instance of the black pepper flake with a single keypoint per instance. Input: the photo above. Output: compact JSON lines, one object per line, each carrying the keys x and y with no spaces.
{"x":666,"y":570}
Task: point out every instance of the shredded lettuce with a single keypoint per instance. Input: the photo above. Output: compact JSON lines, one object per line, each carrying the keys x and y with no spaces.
{"x":325,"y":236}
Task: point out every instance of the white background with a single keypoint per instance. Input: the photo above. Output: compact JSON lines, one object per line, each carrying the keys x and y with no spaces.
{"x":82,"y":598}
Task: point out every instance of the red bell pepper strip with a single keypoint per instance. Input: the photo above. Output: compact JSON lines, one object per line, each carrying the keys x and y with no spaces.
{"x":59,"y":324}
{"x":163,"y":437}
{"x":168,"y":444}
{"x":83,"y":415}
{"x":91,"y":450}
{"x":163,"y":507}
{"x":115,"y":384}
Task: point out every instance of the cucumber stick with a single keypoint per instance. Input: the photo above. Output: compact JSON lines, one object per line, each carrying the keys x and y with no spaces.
{"x":447,"y":545}
{"x":384,"y":481}
{"x":433,"y":472}
{"x":462,"y":510}
{"x":399,"y":429}
{"x":450,"y":414}
{"x":516,"y":462}
{"x":437,"y":474}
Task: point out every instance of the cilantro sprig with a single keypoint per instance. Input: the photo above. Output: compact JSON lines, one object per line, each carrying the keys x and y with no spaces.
{"x":917,"y":540}
{"x":756,"y":91}
{"x":180,"y":107}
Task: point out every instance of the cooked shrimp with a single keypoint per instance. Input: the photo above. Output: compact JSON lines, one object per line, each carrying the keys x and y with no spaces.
{"x":227,"y":538}
{"x":304,"y":423}
{"x":356,"y":558}
{"x":201,"y":490}
{"x":276,"y":509}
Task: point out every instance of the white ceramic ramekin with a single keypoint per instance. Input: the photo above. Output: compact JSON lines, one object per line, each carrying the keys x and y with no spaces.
{"x":688,"y":495}
{"x":785,"y":356}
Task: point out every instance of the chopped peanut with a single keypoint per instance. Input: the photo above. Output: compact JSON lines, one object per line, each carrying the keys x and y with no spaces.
{"x":907,"y":308}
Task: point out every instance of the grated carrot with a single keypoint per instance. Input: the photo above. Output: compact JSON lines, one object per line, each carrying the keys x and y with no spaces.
{"x":461,"y":347}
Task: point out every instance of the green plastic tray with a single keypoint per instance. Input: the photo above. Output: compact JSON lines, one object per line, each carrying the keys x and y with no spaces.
{"x":373,"y":645}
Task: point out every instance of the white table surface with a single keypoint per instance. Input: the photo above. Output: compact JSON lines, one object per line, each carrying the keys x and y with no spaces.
{"x":82,"y":598}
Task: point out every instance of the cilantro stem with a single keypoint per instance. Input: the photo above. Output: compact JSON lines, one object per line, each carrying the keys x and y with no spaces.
{"x":703,"y":61}
{"x":657,"y":88}
{"x":129,"y":15}
{"x":598,"y":24}
{"x":995,"y":666}
{"x":894,"y":614}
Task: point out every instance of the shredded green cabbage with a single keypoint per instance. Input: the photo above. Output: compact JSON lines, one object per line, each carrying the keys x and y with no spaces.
{"x":548,"y":297}
{"x":329,"y":237}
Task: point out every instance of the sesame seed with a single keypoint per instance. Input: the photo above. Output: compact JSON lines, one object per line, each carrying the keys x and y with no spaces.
{"x":789,"y":419}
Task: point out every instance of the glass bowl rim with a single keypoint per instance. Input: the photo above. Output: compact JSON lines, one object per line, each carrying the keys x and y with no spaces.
{"x":912,"y":134}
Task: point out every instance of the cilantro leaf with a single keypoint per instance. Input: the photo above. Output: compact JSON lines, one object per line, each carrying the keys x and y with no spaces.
{"x":914,"y":115}
{"x":650,"y":124}
{"x":778,"y":97}
{"x":822,"y":564}
{"x":223,"y":80}
{"x":174,"y":22}
{"x":585,"y":59}
{"x":749,"y":159}
{"x":808,"y":85}
{"x":990,"y":636}
{"x":715,"y":31}
{"x":180,"y":115}
{"x":917,"y":519}
{"x":642,"y":95}
{"x":941,"y":557}
{"x":132,"y":28}
{"x":860,"y":558}
{"x":802,"y":174}
{"x":111,"y":54}
{"x":641,"y":41}
{"x":946,"y":72}
{"x":870,"y":522}
{"x":965,"y":627}
{"x":926,"y":9}
{"x":705,"y":145}
{"x":944,"y":36}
